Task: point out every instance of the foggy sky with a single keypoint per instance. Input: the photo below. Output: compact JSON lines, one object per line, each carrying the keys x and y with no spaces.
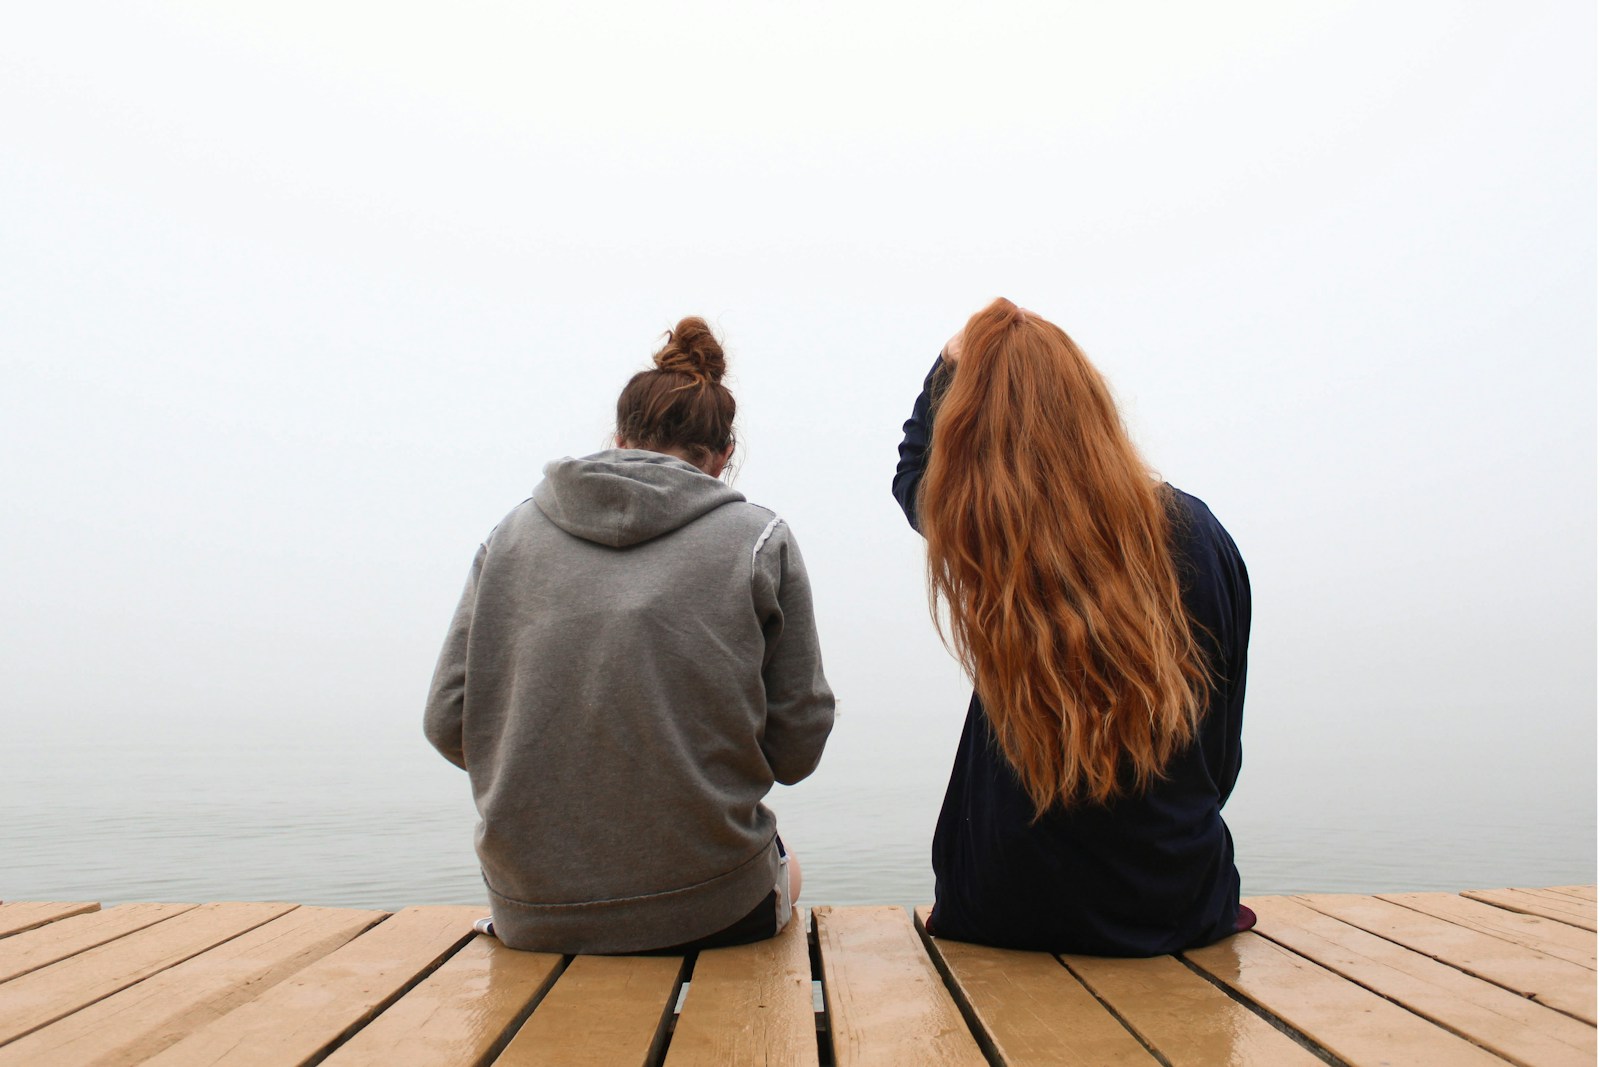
{"x":297,"y":300}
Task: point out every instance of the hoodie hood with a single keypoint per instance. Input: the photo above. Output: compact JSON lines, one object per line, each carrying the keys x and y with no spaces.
{"x":624,"y":496}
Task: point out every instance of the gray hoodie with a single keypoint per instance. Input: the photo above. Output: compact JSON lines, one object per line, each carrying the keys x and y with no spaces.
{"x":634,"y":662}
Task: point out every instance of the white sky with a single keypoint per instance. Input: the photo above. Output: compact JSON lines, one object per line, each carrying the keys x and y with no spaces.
{"x":297,"y":298}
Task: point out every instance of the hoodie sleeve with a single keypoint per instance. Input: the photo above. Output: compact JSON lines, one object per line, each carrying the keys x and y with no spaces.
{"x":914,"y":448}
{"x":441,"y":721}
{"x":799,"y":702}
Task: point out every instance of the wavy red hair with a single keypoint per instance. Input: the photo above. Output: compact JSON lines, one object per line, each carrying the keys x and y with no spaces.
{"x":1049,"y":540}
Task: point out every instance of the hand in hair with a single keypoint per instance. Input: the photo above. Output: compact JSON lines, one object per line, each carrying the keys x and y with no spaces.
{"x":952,"y":348}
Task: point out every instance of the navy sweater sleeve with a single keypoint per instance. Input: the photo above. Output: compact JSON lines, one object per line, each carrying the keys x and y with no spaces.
{"x":914,"y":448}
{"x":1237,"y":580}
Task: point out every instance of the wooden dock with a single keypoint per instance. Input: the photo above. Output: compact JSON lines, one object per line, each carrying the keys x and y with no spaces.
{"x":1483,"y":977}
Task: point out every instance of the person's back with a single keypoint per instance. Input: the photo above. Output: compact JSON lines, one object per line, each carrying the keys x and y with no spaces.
{"x":1089,"y":819}
{"x":634,"y":663}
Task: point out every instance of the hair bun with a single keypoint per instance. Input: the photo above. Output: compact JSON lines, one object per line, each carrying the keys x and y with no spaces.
{"x":691,"y":349}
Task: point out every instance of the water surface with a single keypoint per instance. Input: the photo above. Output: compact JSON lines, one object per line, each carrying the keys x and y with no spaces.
{"x":371,"y":817}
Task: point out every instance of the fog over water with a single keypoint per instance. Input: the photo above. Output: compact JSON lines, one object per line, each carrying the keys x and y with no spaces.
{"x":297,"y":299}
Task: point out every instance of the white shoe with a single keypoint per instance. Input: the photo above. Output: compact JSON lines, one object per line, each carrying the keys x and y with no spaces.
{"x":485,"y":925}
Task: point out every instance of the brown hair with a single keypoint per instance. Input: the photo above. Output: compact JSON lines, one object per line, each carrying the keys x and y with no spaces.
{"x":682,"y":404}
{"x":1049,"y":540}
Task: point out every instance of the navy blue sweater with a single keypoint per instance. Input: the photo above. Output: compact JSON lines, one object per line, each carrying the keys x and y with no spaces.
{"x":1148,"y":873}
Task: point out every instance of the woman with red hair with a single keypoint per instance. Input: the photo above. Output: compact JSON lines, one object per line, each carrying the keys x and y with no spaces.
{"x":1104,"y":618}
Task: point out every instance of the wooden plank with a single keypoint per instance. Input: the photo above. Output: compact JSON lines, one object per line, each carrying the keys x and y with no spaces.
{"x":1183,"y":1017}
{"x":459,"y":1014}
{"x":27,"y":914}
{"x":1561,"y":895}
{"x":605,"y":1011}
{"x":1027,"y":1008}
{"x":1548,"y":905}
{"x":1585,"y":909}
{"x":301,"y":1017}
{"x":44,"y":945}
{"x":1496,"y":1018}
{"x":1582,"y":892}
{"x":1353,"y":1024}
{"x":1562,"y":985}
{"x":886,"y":1002}
{"x":45,"y":995}
{"x":130,"y":1027}
{"x":1543,"y":935}
{"x":749,"y":1004}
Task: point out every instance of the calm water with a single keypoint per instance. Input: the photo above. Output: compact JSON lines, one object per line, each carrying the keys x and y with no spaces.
{"x":372,"y":817}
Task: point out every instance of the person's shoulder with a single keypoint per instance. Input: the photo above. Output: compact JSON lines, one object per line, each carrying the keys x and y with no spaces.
{"x":766,"y":532}
{"x":1196,"y":522}
{"x":740,"y":513}
{"x":514,"y":517}
{"x":750,"y":511}
{"x":1190,"y":507}
{"x":737,"y":520}
{"x":756,"y":521}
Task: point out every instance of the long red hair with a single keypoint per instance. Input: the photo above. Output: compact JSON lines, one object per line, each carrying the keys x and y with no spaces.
{"x":1049,"y":540}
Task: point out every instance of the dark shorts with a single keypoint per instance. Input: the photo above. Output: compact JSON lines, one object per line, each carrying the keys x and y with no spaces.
{"x":758,"y":924}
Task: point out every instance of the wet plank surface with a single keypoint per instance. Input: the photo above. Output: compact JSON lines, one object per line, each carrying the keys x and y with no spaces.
{"x":1026,"y":1008}
{"x":886,"y":1001}
{"x":750,"y":1004}
{"x":134,"y":1025}
{"x":1188,"y":1019}
{"x":1499,"y":1020}
{"x":1353,"y":1024}
{"x":1543,"y":935}
{"x":53,"y":992}
{"x":1525,"y":971}
{"x":459,"y":1013}
{"x":1484,"y":977}
{"x":607,"y":1011}
{"x":298,"y":1019}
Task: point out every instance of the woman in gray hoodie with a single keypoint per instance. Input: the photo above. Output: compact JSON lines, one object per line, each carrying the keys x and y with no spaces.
{"x":633,"y":663}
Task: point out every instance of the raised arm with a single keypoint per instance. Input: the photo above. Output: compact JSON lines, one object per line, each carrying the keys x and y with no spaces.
{"x":914,"y":447}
